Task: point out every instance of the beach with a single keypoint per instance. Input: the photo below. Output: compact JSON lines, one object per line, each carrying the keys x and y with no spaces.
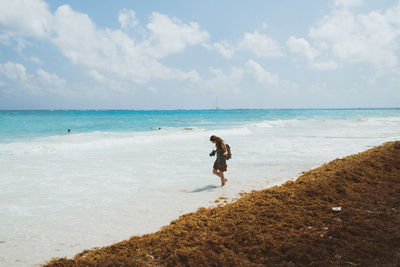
{"x":116,"y":175}
{"x":344,"y":213}
{"x":111,"y":113}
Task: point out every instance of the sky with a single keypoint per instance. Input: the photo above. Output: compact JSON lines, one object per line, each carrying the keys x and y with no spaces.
{"x":183,"y":54}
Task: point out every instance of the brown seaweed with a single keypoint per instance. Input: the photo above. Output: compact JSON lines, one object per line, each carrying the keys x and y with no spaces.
{"x":288,"y":225}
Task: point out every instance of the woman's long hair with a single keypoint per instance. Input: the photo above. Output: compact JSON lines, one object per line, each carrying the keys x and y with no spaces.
{"x":218,"y":142}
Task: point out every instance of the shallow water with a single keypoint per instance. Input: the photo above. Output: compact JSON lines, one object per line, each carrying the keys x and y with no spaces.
{"x":62,"y":193}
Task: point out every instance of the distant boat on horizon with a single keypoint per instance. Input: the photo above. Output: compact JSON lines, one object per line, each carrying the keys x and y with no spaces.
{"x":216,"y":103}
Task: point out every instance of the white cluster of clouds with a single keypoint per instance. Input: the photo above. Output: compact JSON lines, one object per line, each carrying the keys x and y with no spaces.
{"x":251,"y":70}
{"x":40,"y":82}
{"x":171,"y":36}
{"x":127,"y":19}
{"x":110,"y":54}
{"x":259,"y":44}
{"x":352,"y":38}
{"x":225,"y":83}
{"x":25,"y":18}
{"x":340,"y":37}
{"x":117,"y":57}
{"x":105,"y":51}
{"x":115,"y":52}
{"x":302,"y":47}
{"x":261,"y":75}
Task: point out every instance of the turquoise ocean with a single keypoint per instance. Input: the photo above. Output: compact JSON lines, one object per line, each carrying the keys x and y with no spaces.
{"x":25,"y":125}
{"x":120,"y":173}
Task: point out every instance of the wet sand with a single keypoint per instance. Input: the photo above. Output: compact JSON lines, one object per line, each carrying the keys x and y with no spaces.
{"x":289,"y":225}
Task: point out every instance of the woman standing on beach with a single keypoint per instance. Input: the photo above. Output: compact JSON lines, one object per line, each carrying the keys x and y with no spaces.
{"x":220,"y":163}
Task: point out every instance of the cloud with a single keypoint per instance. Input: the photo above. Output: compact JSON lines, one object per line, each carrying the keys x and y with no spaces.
{"x":13,"y":71}
{"x":236,"y":74}
{"x":16,"y":78}
{"x":266,"y":78}
{"x":222,"y":82}
{"x":50,"y":79}
{"x":251,"y":70}
{"x":352,"y":38}
{"x":302,"y":47}
{"x":347,"y":37}
{"x":348,"y":3}
{"x":25,"y":18}
{"x":259,"y":44}
{"x":110,"y":52}
{"x":96,"y":75}
{"x":225,"y":49}
{"x":260,"y":74}
{"x":36,"y":60}
{"x":127,"y":18}
{"x":171,"y":35}
{"x":116,"y":52}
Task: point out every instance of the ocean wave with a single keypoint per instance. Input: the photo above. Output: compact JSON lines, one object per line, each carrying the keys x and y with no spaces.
{"x":98,"y":140}
{"x":356,"y":127}
{"x":352,"y":122}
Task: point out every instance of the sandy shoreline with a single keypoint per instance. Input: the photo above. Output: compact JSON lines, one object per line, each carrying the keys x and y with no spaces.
{"x":289,"y":225}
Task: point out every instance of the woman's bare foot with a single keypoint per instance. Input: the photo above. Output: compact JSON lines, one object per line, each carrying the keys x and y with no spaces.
{"x":223,"y":182}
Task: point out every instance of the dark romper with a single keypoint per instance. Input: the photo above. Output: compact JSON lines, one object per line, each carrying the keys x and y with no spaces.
{"x":220,"y":162}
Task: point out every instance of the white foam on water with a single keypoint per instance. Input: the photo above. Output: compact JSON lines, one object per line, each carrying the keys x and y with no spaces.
{"x":63,"y":194}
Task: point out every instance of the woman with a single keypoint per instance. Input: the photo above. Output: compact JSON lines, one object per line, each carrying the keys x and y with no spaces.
{"x":220,"y":163}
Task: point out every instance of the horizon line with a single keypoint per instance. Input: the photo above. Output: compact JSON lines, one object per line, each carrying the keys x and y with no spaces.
{"x":205,"y":109}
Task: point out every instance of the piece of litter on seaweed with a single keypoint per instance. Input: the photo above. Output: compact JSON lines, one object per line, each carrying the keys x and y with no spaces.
{"x":337,"y":208}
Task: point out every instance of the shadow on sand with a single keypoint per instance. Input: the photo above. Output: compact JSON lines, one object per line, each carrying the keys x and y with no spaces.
{"x":202,"y":189}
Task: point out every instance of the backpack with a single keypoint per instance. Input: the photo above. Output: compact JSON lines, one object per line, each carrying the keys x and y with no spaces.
{"x":229,"y":155}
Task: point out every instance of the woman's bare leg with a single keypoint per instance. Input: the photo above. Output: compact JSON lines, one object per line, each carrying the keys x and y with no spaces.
{"x":223,"y":179}
{"x":220,"y":175}
{"x":216,"y":172}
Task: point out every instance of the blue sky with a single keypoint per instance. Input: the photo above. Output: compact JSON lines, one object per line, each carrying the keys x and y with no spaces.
{"x":184,"y":54}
